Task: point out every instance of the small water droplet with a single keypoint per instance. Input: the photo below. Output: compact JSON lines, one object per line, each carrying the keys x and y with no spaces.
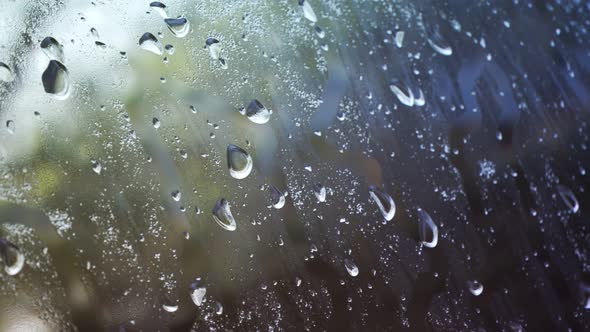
{"x":169,"y":48}
{"x":569,"y":199}
{"x":427,"y":229}
{"x":351,"y":267}
{"x":475,"y":287}
{"x":176,"y":195}
{"x":223,"y":216}
{"x":239,"y":162}
{"x":10,"y":126}
{"x":320,"y":192}
{"x":256,"y":112}
{"x":5,"y":73}
{"x":218,"y":308}
{"x":13,"y":259}
{"x":94,"y":33}
{"x":384,"y":202}
{"x":150,"y":43}
{"x":156,"y":123}
{"x":53,"y":49}
{"x":56,"y":80}
{"x":96,"y":167}
{"x":307,"y":10}
{"x":399,"y":39}
{"x":179,"y":27}
{"x":277,"y":197}
{"x":197,"y":292}
{"x":321,"y":33}
{"x":159,"y":8}
{"x":421,"y":100}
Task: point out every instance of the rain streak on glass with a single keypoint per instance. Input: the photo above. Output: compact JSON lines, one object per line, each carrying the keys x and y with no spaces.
{"x":351,"y":267}
{"x":56,"y":80}
{"x":223,"y":216}
{"x":256,"y":112}
{"x":427,"y":229}
{"x":150,"y":43}
{"x":239,"y":162}
{"x":384,"y":202}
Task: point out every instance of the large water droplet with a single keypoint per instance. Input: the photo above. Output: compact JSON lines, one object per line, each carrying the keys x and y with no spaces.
{"x":351,"y":267}
{"x":399,"y":39}
{"x":438,"y":42}
{"x":170,"y":307}
{"x":5,"y":73}
{"x":223,"y":216}
{"x":256,"y":112}
{"x":384,"y":202}
{"x":14,"y":260}
{"x":475,"y":287}
{"x":277,"y":197}
{"x":10,"y":126}
{"x":569,"y":199}
{"x":179,"y":27}
{"x":239,"y":162}
{"x":198,"y":291}
{"x":150,"y":43}
{"x":427,"y":229}
{"x":159,"y":8}
{"x":307,"y":10}
{"x":320,"y":192}
{"x":402,"y":92}
{"x":56,"y":80}
{"x":53,"y":49}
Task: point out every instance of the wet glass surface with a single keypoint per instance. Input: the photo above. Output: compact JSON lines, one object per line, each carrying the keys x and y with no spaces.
{"x":294,"y":165}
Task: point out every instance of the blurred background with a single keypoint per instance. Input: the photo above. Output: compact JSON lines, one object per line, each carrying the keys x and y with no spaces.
{"x":469,"y":118}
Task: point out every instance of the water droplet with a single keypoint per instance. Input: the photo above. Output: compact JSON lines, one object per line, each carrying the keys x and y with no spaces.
{"x":169,"y":48}
{"x":438,"y":42}
{"x":156,"y":123}
{"x":256,"y":112}
{"x":308,"y":12}
{"x":100,"y":44}
{"x":239,"y":162}
{"x":176,"y":195}
{"x":14,"y":260}
{"x":421,"y":100}
{"x":197,"y":292}
{"x":427,"y":229}
{"x":96,"y":166}
{"x":402,"y":92}
{"x":5,"y":73}
{"x":179,"y":27}
{"x":159,"y":8}
{"x":399,"y":38}
{"x":170,"y":307}
{"x":150,"y":43}
{"x":56,"y":80}
{"x":53,"y":49}
{"x":499,"y":135}
{"x":569,"y":199}
{"x":10,"y":126}
{"x":277,"y":197}
{"x":94,"y":33}
{"x":384,"y":202}
{"x":321,"y":33}
{"x":475,"y":287}
{"x":218,"y":308}
{"x":320,"y":192}
{"x":351,"y":267}
{"x":223,"y":216}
